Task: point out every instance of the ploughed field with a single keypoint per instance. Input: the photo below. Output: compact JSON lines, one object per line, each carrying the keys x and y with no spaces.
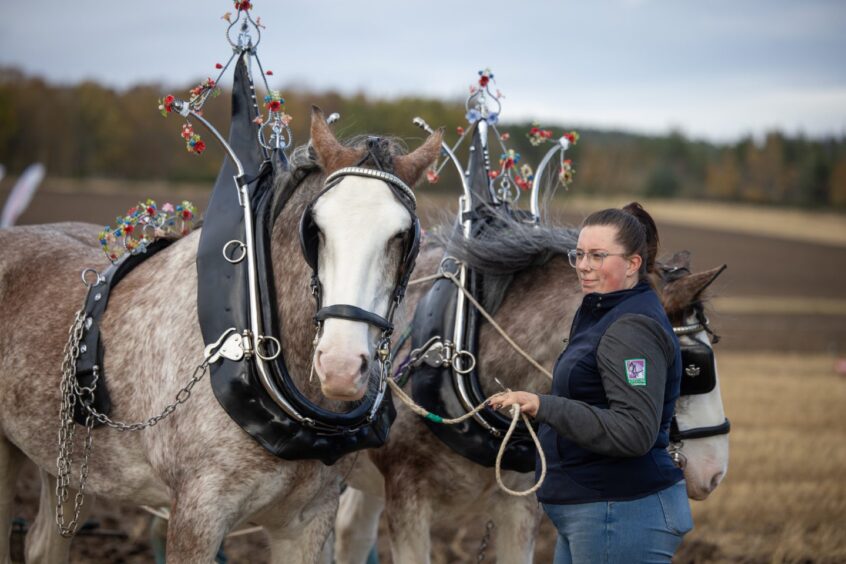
{"x":780,"y":309}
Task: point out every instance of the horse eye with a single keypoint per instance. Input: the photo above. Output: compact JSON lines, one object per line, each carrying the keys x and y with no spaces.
{"x":399,"y":236}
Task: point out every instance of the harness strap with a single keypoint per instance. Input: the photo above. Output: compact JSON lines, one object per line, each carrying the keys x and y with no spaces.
{"x":89,"y":363}
{"x":699,"y":432}
{"x":353,"y":313}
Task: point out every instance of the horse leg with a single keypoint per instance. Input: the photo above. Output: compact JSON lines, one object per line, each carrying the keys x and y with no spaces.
{"x":357,"y":525}
{"x":43,"y":541}
{"x":304,"y":544}
{"x":10,"y":464}
{"x":409,"y":523}
{"x":196,"y":528}
{"x":517,"y":520}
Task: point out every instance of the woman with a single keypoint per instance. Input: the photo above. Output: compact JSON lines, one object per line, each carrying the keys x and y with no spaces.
{"x":611,"y":489}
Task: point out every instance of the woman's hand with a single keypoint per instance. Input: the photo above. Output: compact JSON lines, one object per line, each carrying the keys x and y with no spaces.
{"x":528,"y":402}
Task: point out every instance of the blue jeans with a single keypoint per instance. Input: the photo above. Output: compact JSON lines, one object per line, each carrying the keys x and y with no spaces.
{"x":648,"y":529}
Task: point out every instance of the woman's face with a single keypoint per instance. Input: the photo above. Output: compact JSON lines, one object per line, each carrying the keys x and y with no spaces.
{"x":617,"y":271}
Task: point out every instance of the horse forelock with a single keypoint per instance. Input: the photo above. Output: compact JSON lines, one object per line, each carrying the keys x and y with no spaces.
{"x":305,"y":170}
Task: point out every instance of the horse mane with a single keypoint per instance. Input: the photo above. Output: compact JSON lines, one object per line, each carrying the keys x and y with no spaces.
{"x":505,"y":247}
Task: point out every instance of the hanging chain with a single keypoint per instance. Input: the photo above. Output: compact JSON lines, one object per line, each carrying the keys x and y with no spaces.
{"x":71,"y":394}
{"x":486,"y":539}
{"x":66,"y":433}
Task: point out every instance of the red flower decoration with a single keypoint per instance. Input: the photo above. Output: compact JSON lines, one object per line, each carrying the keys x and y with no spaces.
{"x":459,"y":130}
{"x":274,"y":105}
{"x":505,"y":136}
{"x":218,"y":66}
{"x":483,"y":81}
{"x":493,"y":174}
{"x":432,"y":176}
{"x":128,"y":229}
{"x":199,"y":147}
{"x":151,"y":210}
{"x":269,"y":73}
{"x":186,"y":214}
{"x":243,"y":5}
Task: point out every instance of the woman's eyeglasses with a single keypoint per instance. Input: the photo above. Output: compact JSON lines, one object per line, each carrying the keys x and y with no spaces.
{"x":594,"y":258}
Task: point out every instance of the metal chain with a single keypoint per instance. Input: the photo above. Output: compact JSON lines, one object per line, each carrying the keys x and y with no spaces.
{"x":181,"y":397}
{"x":71,"y":393}
{"x":486,"y":539}
{"x":67,"y":427}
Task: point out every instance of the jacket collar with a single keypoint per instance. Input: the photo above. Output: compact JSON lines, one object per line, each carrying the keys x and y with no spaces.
{"x":603,"y":302}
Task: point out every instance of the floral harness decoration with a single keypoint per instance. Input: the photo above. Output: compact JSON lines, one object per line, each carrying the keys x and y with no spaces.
{"x":147,"y":222}
{"x":479,"y":108}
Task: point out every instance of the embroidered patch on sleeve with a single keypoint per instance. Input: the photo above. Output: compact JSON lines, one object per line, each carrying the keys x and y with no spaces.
{"x":636,"y":371}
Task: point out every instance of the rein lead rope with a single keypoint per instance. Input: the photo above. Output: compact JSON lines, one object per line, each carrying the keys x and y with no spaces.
{"x":515,"y":417}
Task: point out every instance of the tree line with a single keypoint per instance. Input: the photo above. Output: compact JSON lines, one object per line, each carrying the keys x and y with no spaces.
{"x":90,"y":130}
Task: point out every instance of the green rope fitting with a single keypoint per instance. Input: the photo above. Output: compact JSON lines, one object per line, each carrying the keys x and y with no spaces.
{"x":435,"y":418}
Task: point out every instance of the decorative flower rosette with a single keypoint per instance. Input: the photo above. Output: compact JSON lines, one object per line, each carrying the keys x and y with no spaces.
{"x":276,"y":122}
{"x":143,"y":224}
{"x":538,"y":136}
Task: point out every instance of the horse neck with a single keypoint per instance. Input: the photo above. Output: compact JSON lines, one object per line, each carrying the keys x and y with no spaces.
{"x":536,"y":313}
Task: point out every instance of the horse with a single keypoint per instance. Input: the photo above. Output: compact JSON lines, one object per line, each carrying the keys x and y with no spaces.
{"x":210,"y":473}
{"x":534,"y":293}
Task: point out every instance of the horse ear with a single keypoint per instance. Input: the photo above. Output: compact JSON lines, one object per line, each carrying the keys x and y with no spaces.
{"x":330,"y":153}
{"x":410,"y":167}
{"x":679,"y":294}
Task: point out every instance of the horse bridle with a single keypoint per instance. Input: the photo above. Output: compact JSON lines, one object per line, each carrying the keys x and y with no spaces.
{"x":699,"y":376}
{"x":309,"y":244}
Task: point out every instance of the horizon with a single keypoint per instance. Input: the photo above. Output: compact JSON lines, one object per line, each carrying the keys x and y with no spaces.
{"x":647,"y":67}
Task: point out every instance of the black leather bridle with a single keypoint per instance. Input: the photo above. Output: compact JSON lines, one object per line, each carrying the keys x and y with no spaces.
{"x":699,"y":377}
{"x":310,"y":241}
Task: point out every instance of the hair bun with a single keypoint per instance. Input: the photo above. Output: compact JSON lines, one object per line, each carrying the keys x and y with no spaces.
{"x":650,"y":229}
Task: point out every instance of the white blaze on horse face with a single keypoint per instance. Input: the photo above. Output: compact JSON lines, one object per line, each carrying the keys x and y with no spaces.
{"x":357,"y":265}
{"x":707,"y":458}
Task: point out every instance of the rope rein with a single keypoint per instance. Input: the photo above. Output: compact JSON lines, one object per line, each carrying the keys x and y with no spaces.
{"x":515,"y":417}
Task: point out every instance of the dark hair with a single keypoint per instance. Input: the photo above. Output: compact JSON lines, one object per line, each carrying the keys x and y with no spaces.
{"x":636,"y":232}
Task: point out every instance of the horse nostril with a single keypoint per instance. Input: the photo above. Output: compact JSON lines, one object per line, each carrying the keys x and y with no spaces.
{"x":365,"y":365}
{"x":715,"y":481}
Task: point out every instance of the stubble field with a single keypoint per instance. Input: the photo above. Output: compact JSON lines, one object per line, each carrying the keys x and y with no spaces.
{"x":781,"y":311}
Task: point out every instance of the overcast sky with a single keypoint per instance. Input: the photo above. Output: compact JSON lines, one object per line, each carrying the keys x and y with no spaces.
{"x":715,"y":70}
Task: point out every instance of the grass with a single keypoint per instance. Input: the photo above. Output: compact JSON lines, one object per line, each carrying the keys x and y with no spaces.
{"x":784,"y":497}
